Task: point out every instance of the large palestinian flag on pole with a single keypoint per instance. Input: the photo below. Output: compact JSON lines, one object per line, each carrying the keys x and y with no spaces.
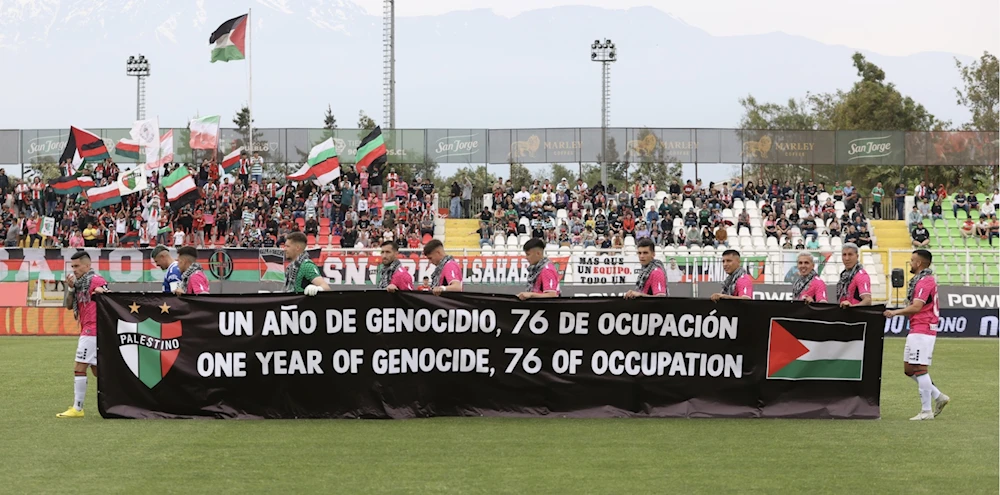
{"x":231,"y":162}
{"x":371,"y":150}
{"x":229,"y":40}
{"x":83,"y":146}
{"x":323,"y":164}
{"x":103,"y":196}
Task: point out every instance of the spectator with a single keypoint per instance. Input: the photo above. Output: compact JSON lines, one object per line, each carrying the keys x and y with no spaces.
{"x":936,"y":212}
{"x":996,"y":200}
{"x":834,"y":228}
{"x":959,"y":203}
{"x":973,"y":201}
{"x":994,"y":228}
{"x":693,"y":236}
{"x":967,"y":230}
{"x":900,"y":199}
{"x":913,"y":218}
{"x":809,"y":227}
{"x":485,"y":234}
{"x":877,"y":193}
{"x":708,"y":237}
{"x":920,"y":236}
{"x":771,"y":227}
{"x":721,"y":237}
{"x":982,"y":229}
{"x":925,"y":208}
{"x":743,"y":221}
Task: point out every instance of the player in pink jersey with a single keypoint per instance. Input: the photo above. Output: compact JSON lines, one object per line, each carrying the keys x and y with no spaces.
{"x":652,"y":279}
{"x":85,"y":283}
{"x":808,"y":287}
{"x":738,"y":283}
{"x":392,"y":276}
{"x":447,"y":277}
{"x":922,"y":308}
{"x":543,"y":279}
{"x":193,"y":280}
{"x":854,"y":287}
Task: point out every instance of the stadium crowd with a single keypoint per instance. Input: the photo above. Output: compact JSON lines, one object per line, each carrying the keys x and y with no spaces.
{"x":242,"y":210}
{"x":693,"y":214}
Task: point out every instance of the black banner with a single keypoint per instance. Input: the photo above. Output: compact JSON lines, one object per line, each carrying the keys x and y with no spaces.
{"x":379,"y":355}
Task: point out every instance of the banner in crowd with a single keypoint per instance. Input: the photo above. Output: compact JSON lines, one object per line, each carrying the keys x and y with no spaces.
{"x":360,"y":269}
{"x":615,"y":269}
{"x":564,"y":145}
{"x":379,"y":355}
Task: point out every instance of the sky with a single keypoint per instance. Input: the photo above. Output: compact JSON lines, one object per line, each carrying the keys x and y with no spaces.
{"x":890,"y":27}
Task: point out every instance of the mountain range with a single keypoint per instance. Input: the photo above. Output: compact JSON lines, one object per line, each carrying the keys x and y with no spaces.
{"x":465,"y":69}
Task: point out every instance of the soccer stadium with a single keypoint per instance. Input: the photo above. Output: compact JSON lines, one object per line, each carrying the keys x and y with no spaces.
{"x":591,"y":309}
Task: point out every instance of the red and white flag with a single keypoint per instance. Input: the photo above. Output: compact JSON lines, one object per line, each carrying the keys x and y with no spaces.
{"x":156,"y":158}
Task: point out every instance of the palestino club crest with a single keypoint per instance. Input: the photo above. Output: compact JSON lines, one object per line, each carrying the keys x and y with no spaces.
{"x":149,"y":348}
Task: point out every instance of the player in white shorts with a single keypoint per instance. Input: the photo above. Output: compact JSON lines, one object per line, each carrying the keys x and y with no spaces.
{"x":85,"y":283}
{"x":922,"y":308}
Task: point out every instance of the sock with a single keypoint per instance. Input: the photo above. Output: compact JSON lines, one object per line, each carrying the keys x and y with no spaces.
{"x":935,"y":393}
{"x":79,"y":391}
{"x":924,"y":387}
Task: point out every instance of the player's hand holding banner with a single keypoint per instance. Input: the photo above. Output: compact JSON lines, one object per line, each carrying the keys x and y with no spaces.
{"x":410,"y":354}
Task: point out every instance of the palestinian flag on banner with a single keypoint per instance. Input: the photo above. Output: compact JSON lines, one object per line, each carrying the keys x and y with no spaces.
{"x":83,"y":146}
{"x":390,"y":205}
{"x":323,"y":164}
{"x":103,"y":196}
{"x":229,"y":40}
{"x":205,"y":133}
{"x":180,"y":187}
{"x":272,"y":264}
{"x":66,"y":185}
{"x":371,"y":150}
{"x":815,"y":350}
{"x":127,"y":148}
{"x":231,"y":162}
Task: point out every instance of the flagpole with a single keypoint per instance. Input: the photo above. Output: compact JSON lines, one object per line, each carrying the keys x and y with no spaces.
{"x":250,"y":81}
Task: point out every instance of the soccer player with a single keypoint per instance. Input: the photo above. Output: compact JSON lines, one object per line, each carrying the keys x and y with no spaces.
{"x":392,"y":276}
{"x":162,"y":258}
{"x":922,"y":309}
{"x":543,"y":279}
{"x":854,"y":287}
{"x":808,"y":287}
{"x":738,"y":283}
{"x":302,"y":276}
{"x":193,"y":279}
{"x":85,"y":283}
{"x":652,"y":280}
{"x":447,"y":275}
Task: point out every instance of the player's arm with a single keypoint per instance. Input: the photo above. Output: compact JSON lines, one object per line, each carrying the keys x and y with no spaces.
{"x":321,"y":283}
{"x":912,"y":309}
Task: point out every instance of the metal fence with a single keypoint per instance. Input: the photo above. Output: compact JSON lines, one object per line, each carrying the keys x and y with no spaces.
{"x":566,"y":145}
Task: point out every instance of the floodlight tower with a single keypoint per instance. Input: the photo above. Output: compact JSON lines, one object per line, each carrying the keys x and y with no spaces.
{"x":389,"y":63}
{"x":605,"y":53}
{"x":138,"y":67}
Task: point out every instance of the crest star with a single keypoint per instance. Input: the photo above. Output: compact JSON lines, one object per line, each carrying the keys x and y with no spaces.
{"x":164,"y":308}
{"x":134,"y":308}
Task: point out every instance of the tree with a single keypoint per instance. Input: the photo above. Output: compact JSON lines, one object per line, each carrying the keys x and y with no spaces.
{"x":365,"y":123}
{"x":870,"y":104}
{"x":617,"y":168}
{"x":560,"y":171}
{"x":981,"y":92}
{"x":329,"y":121}
{"x":519,"y":176}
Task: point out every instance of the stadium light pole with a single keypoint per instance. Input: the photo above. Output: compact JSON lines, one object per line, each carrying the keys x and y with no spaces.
{"x":605,"y":53}
{"x":138,"y":67}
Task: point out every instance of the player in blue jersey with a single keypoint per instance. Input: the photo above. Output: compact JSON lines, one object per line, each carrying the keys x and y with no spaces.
{"x":172,"y":277}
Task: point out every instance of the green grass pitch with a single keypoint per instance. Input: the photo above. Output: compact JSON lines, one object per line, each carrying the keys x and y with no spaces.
{"x":957,"y":453}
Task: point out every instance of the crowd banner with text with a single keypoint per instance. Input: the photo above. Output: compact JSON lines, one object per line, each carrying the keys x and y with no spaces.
{"x":407,"y":355}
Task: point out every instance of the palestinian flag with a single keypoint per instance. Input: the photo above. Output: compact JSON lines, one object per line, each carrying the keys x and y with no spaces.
{"x":231,"y":162}
{"x":229,"y":40}
{"x":204,"y":133}
{"x":66,"y":185}
{"x":149,"y":348}
{"x":83,"y":146}
{"x":371,"y":150}
{"x":127,"y":148}
{"x":180,"y":187}
{"x":323,"y":164}
{"x":272,"y":264}
{"x":85,"y":181}
{"x":101,"y":197}
{"x":390,"y":205}
{"x":815,"y":350}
